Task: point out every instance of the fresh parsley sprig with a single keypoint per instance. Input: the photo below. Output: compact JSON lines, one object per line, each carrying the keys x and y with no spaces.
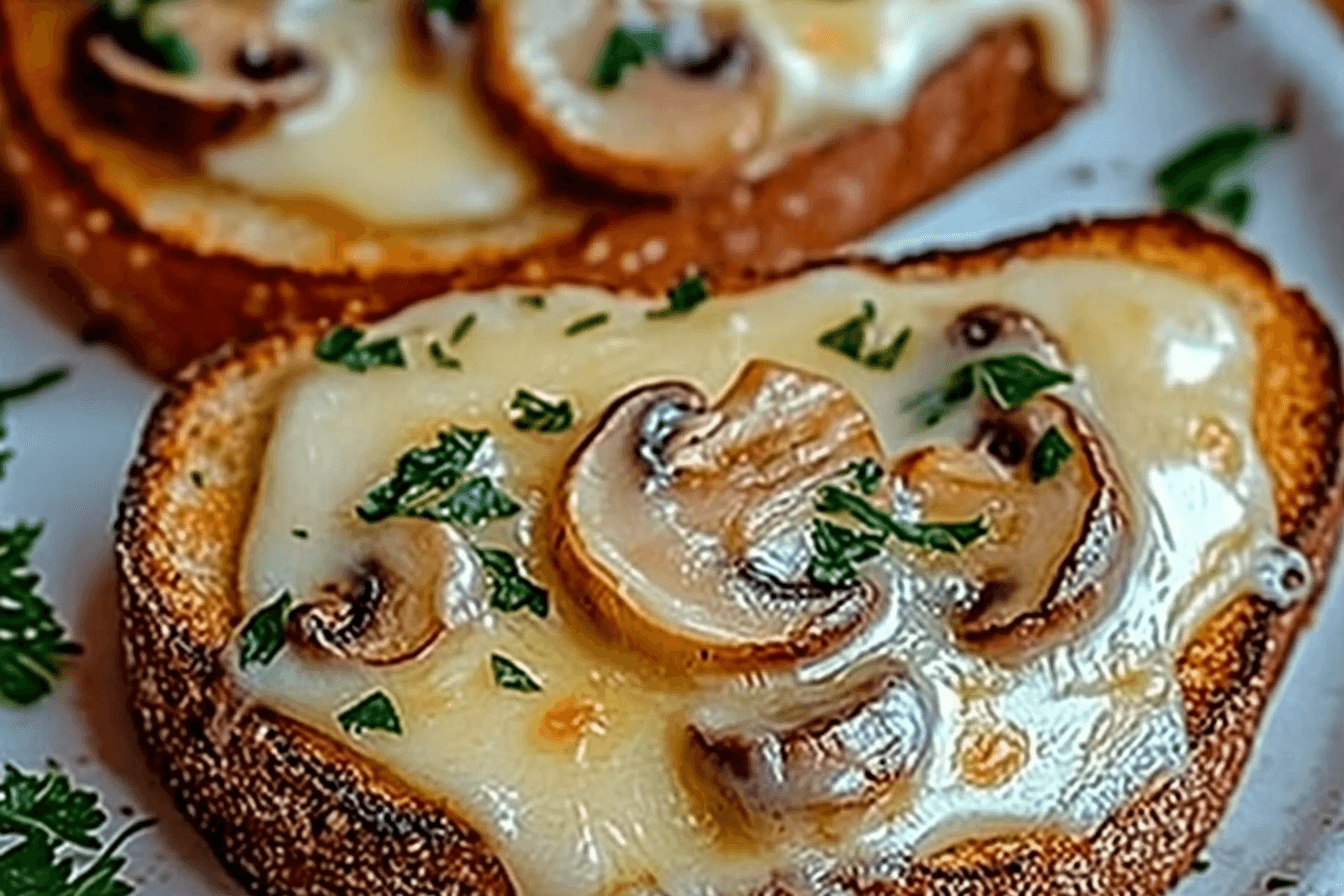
{"x":850,"y":337}
{"x":1010,"y":381}
{"x":532,"y":413}
{"x":624,"y":48}
{"x":54,"y":826}
{"x":1195,"y":178}
{"x":345,"y":346}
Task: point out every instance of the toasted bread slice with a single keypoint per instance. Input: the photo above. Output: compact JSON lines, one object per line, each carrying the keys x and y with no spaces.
{"x":173,"y":263}
{"x":290,"y":808}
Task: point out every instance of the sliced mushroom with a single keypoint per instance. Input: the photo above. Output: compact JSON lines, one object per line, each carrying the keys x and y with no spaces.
{"x":828,"y":746}
{"x":415,"y":580}
{"x":1060,"y":533}
{"x":241,"y":73}
{"x":997,"y":325}
{"x":674,"y":120}
{"x":684,"y":528}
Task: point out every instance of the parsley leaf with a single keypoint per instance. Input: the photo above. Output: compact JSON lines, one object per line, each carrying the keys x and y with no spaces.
{"x":462,"y":329}
{"x":946,"y":537}
{"x":264,"y":634}
{"x":422,"y":474}
{"x":31,"y":640}
{"x":458,"y":10}
{"x":1010,"y":381}
{"x":52,"y":822}
{"x":533,"y":301}
{"x":512,"y":676}
{"x":684,"y":297}
{"x":867,"y":474}
{"x":624,"y":47}
{"x":343,"y":346}
{"x":374,"y":713}
{"x":477,"y":501}
{"x":1191,"y":180}
{"x":1049,"y":455}
{"x":836,"y":550}
{"x":34,"y":384}
{"x":535,"y":414}
{"x":587,"y":323}
{"x":442,"y":358}
{"x":850,"y":337}
{"x":510,"y":590}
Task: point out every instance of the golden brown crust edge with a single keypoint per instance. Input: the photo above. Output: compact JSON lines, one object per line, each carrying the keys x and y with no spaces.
{"x":290,"y":810}
{"x":165,"y":303}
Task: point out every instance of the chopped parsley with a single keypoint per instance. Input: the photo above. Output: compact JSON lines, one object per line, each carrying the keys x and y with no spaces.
{"x":31,"y":386}
{"x":531,"y":413}
{"x":148,"y":39}
{"x":836,"y":551}
{"x":299,"y":533}
{"x":460,"y":11}
{"x":428,"y":484}
{"x":442,"y":359}
{"x":587,"y":323}
{"x":1278,"y":882}
{"x":263,"y":636}
{"x":1195,"y":178}
{"x":945,"y":537}
{"x":462,"y":329}
{"x":533,"y":301}
{"x":1010,"y":381}
{"x":684,"y":297}
{"x":512,"y":676}
{"x":624,"y":48}
{"x":477,"y":501}
{"x":510,"y":590}
{"x":1049,"y":455}
{"x":374,"y":713}
{"x":867,"y":474}
{"x":345,"y":346}
{"x":50,"y":829}
{"x":850,"y":337}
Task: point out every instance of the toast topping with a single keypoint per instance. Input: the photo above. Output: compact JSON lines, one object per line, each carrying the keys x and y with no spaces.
{"x":825,"y":746}
{"x":684,"y":525}
{"x":230,"y":74}
{"x":750,"y":80}
{"x":993,"y":634}
{"x":1058,"y":544}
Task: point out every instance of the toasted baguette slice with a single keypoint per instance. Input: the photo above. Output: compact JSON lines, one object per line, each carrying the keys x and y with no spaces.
{"x":172,"y":264}
{"x":289,"y":809}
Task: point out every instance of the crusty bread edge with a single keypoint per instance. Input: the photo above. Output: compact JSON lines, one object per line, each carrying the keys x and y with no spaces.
{"x":165,"y":302}
{"x":216,"y":753}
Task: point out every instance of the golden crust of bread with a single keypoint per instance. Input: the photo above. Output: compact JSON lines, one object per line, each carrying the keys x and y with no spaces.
{"x":290,"y":810}
{"x":167,"y":293}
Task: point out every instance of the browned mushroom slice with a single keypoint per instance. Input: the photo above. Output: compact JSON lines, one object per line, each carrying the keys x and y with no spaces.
{"x":1059,"y":517}
{"x":414,"y":581}
{"x":828,"y":746}
{"x":208,"y":69}
{"x":683,"y":527}
{"x":1002,"y":325}
{"x":652,"y":97}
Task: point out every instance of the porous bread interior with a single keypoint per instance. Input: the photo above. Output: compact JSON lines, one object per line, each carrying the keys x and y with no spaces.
{"x":286,"y":808}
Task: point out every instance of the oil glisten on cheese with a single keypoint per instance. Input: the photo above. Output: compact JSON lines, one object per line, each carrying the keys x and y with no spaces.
{"x":400,"y":147}
{"x":584,"y":787}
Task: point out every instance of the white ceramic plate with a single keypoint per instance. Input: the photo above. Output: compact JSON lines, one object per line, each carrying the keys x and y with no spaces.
{"x":1177,"y":68}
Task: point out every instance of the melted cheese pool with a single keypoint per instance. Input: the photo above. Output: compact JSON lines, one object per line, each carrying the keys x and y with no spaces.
{"x":583,"y":787}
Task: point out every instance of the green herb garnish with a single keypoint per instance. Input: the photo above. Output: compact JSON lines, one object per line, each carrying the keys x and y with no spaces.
{"x":867,"y":474}
{"x":1010,"y":381}
{"x":1277,"y":882}
{"x":1049,"y":455}
{"x":343,"y":346}
{"x":172,"y":52}
{"x":850,"y":337}
{"x":462,"y":329}
{"x":423,"y":475}
{"x":1194,"y":179}
{"x":684,"y":297}
{"x":264,"y":634}
{"x":31,"y":386}
{"x":536,"y":301}
{"x":52,"y":827}
{"x":458,"y":10}
{"x":509,"y":674}
{"x":374,"y":713}
{"x":442,"y":358}
{"x":532,"y":413}
{"x":476,"y":502}
{"x":587,"y":323}
{"x":624,"y":48}
{"x":299,"y":533}
{"x":836,"y":550}
{"x":32,"y":642}
{"x":510,"y":590}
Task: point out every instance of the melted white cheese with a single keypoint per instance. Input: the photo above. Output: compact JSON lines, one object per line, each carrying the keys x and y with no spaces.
{"x":1160,"y":362}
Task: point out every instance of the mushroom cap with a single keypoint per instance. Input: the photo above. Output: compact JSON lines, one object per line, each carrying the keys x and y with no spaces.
{"x":242,"y":75}
{"x":838,"y":744}
{"x":684,"y":528}
{"x":1058,"y":544}
{"x":676,"y":123}
{"x":415,"y":580}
